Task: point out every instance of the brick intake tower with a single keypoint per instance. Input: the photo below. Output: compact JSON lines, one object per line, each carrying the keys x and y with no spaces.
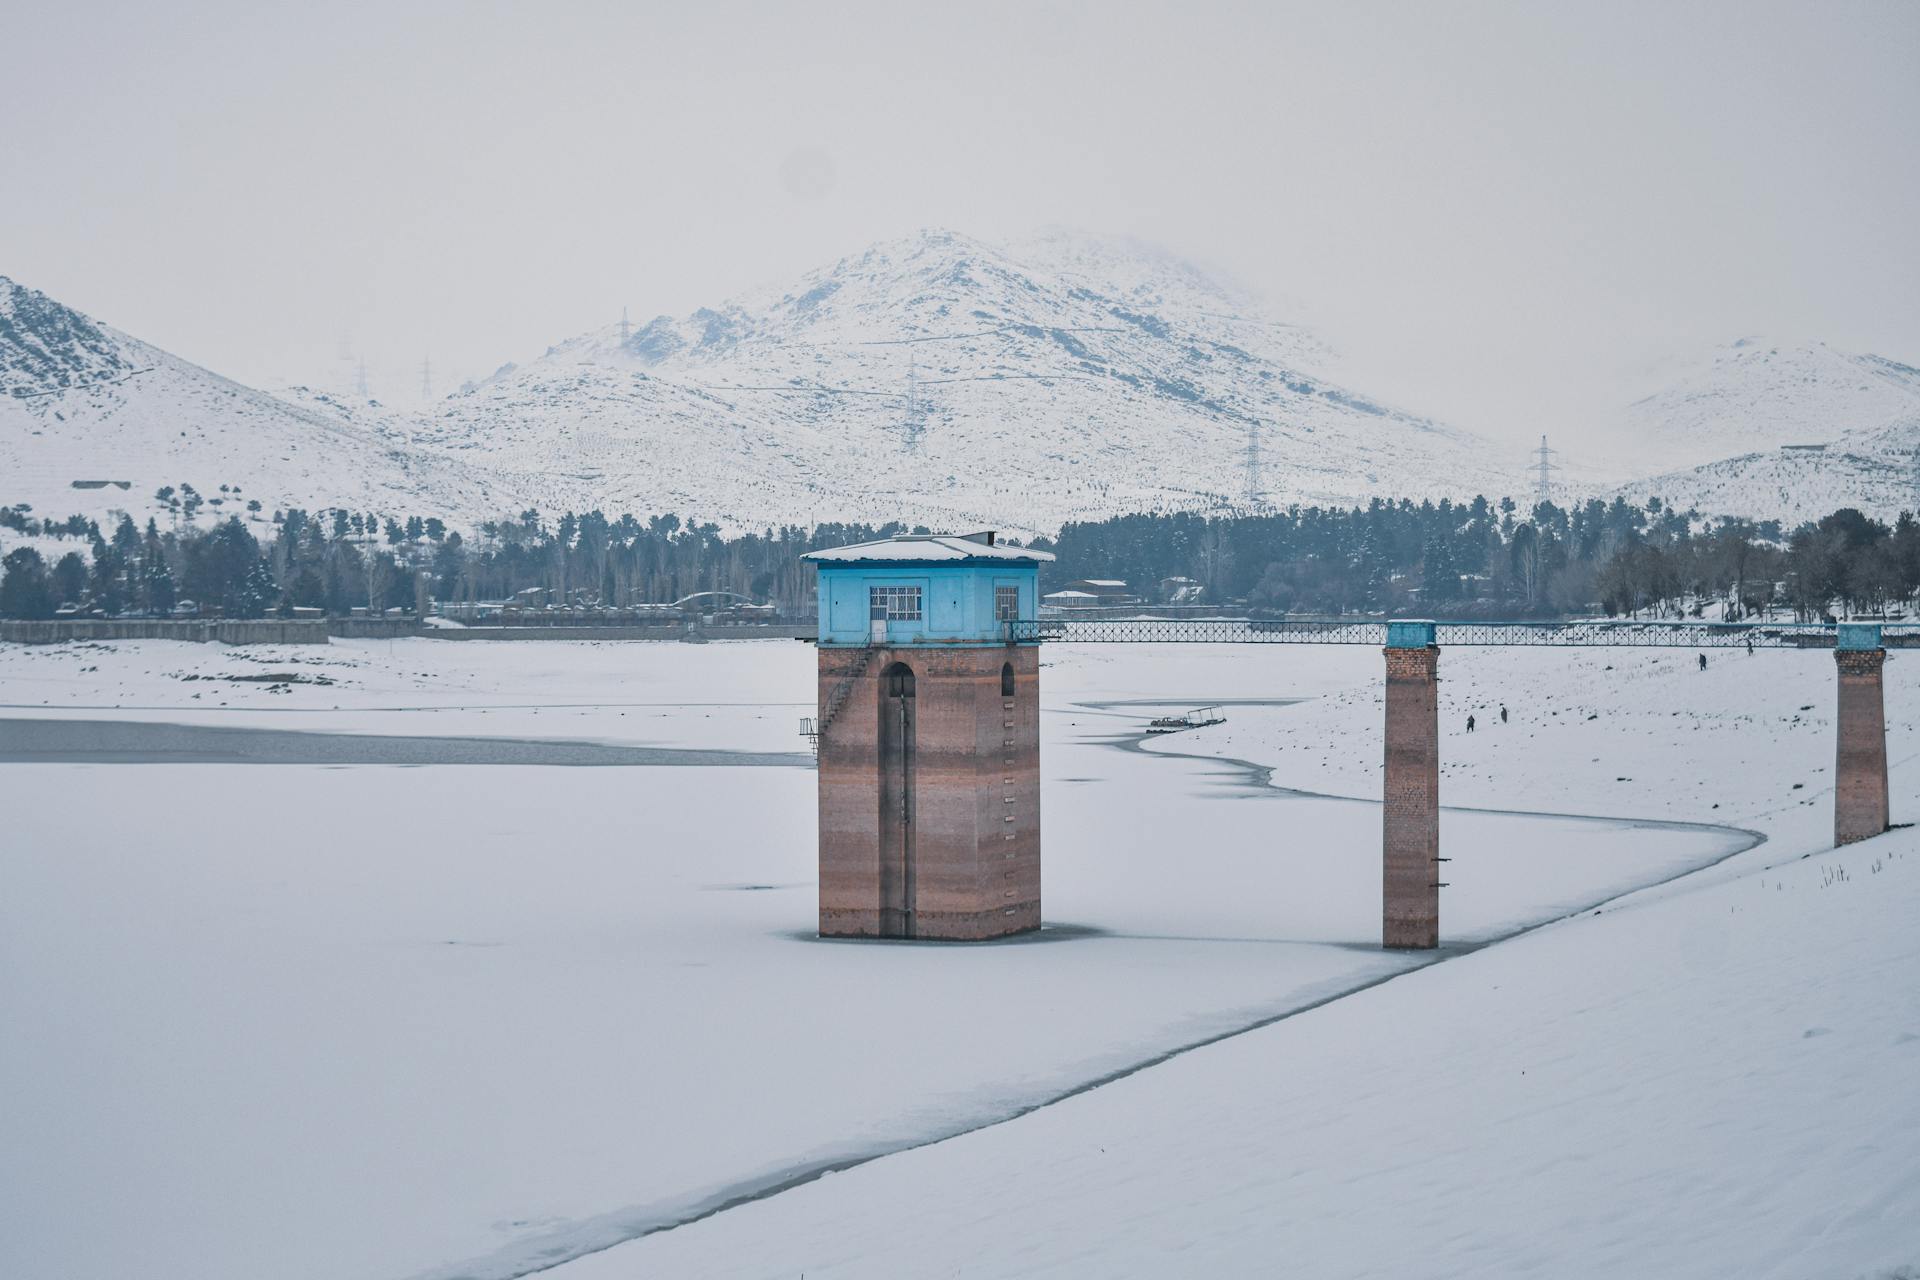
{"x":929,"y":740}
{"x":1860,"y":809}
{"x":1410,"y":845}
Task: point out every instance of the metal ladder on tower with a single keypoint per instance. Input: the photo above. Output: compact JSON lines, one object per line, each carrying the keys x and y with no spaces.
{"x":836,"y":700}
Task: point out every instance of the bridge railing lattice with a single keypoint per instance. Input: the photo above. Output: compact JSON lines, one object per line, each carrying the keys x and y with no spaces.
{"x":1577,"y":633}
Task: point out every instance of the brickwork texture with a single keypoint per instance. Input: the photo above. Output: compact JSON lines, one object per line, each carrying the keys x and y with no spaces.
{"x":1860,"y":764}
{"x":1410,"y":916}
{"x":930,"y":815}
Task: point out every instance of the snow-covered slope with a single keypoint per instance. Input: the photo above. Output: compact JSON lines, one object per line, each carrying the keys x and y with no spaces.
{"x":83,"y":402}
{"x":1756,"y":395}
{"x":1780,"y":431}
{"x":1794,"y":485}
{"x":944,"y":380}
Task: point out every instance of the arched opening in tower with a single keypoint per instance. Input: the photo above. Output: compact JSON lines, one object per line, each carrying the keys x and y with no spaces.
{"x":896,"y":761}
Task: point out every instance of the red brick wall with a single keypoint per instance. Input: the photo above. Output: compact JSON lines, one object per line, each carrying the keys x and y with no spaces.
{"x":976,"y":796}
{"x":1411,"y":808}
{"x":1860,"y":765}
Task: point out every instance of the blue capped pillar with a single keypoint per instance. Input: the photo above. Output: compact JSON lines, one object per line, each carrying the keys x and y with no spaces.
{"x":1860,"y":809}
{"x":1410,"y":808}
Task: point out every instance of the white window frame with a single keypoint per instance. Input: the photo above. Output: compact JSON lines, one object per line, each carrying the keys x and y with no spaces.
{"x":895,"y":603}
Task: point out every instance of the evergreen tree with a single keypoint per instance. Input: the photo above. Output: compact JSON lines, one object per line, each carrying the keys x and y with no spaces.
{"x":69,"y":582}
{"x":24,"y":589}
{"x":256,"y":593}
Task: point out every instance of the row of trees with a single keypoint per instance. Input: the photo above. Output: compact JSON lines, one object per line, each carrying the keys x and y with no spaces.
{"x":1494,"y":560}
{"x":339,"y":561}
{"x":1479,"y":558}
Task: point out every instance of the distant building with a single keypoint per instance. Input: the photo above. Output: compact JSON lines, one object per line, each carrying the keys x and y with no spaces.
{"x":1103,"y":590}
{"x":1803,"y":448}
{"x":1180,"y":590}
{"x":1069,"y":599}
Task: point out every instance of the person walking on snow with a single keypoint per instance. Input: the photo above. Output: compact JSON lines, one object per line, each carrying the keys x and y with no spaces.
{"x":1703,"y":662}
{"x":1503,"y":713}
{"x":1469,"y":724}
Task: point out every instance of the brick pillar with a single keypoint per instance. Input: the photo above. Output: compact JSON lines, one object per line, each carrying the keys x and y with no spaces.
{"x":1860,"y":760}
{"x":1411,"y":802}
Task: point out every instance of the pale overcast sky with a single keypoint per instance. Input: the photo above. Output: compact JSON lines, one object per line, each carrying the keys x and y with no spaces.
{"x":1495,"y":210}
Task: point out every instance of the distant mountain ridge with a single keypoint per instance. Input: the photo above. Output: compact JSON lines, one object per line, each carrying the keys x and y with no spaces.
{"x":943,"y":380}
{"x":937,"y":380}
{"x":45,"y":347}
{"x":82,"y":403}
{"x":1756,"y":394}
{"x":1784,"y":431}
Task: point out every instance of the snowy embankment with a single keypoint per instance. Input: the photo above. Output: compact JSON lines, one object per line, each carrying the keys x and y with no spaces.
{"x":477,"y":1020}
{"x":1720,"y":1082}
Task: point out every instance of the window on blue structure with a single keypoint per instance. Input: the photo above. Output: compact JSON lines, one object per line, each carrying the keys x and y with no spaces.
{"x":1006,"y":604}
{"x":895,"y":604}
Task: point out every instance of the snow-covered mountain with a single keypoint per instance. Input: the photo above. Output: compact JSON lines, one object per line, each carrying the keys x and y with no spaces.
{"x":938,"y":380}
{"x":943,"y":380}
{"x":1782,"y":431}
{"x":1791,"y":485}
{"x":1755,"y":395}
{"x":92,"y":419}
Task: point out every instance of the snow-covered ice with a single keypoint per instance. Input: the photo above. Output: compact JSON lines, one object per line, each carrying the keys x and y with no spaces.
{"x":1713,"y":1083}
{"x":312,"y":1021}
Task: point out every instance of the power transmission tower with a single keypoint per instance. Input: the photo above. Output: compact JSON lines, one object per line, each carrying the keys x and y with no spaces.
{"x":625,"y":328}
{"x":1253,"y":464}
{"x":360,"y":379}
{"x":426,"y":378}
{"x":1543,"y":485}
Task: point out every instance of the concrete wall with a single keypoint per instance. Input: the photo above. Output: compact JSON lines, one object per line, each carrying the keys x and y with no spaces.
{"x":974,"y":777}
{"x":372,"y":628}
{"x":771,"y":631}
{"x":317,"y":630}
{"x":223,"y":630}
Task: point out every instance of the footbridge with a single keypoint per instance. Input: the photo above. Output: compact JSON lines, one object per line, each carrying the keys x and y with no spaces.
{"x":1578,"y":634}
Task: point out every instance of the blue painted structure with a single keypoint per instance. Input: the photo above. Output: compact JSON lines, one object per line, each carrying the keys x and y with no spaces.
{"x":1410,"y":633}
{"x":958,"y":581}
{"x":1857,"y":635}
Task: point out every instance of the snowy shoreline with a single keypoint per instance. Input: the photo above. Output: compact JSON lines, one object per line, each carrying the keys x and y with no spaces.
{"x":429,"y":950}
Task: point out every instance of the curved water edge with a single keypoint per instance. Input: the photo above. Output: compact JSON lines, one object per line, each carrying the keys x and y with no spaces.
{"x":51,"y":741}
{"x":1258,"y":778}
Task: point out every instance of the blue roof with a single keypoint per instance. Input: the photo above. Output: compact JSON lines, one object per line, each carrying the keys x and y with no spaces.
{"x":928,"y":548}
